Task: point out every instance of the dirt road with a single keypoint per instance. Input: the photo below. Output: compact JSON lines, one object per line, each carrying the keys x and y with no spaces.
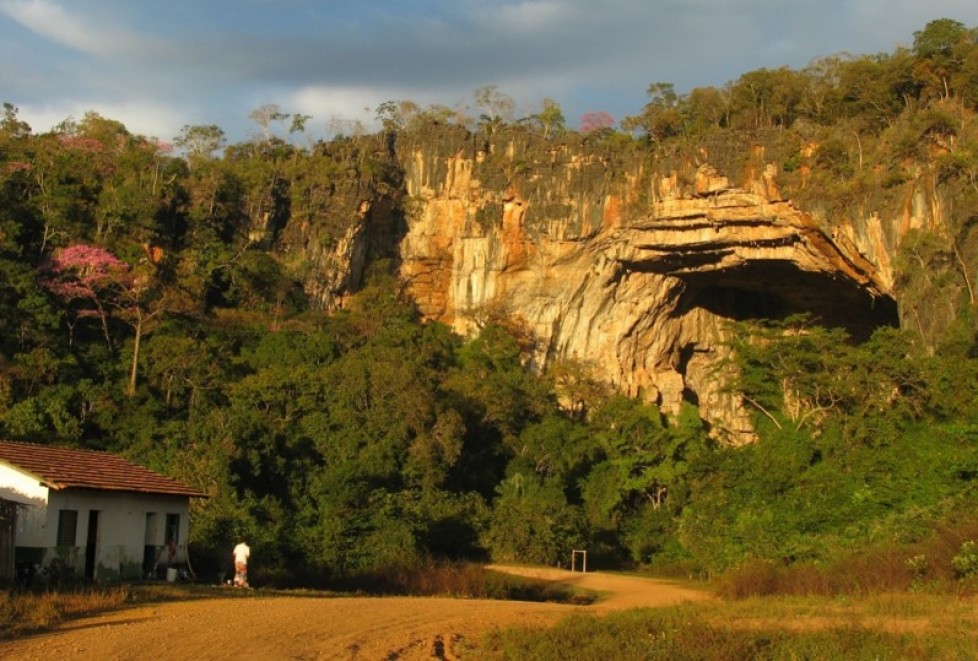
{"x":326,"y":628}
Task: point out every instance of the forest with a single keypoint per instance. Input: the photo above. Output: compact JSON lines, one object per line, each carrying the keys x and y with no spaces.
{"x":140,"y":315}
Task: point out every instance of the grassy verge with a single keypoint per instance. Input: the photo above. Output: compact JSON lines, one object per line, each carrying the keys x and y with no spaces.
{"x":22,"y":613}
{"x":945,"y":560}
{"x":462,"y":580}
{"x":26,"y":612}
{"x":775,"y":628}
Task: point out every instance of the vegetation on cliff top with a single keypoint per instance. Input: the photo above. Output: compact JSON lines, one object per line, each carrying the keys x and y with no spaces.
{"x":169,"y":308}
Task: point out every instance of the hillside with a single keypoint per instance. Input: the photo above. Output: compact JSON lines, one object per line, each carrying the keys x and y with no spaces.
{"x":741,"y":324}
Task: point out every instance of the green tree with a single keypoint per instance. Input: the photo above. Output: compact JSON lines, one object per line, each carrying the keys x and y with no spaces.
{"x":265,"y":115}
{"x":11,"y":127}
{"x":497,"y":108}
{"x":942,"y":50}
{"x":532,"y":522}
{"x":200,"y":141}
{"x":661,"y":118}
{"x":551,"y":118}
{"x":706,"y":108}
{"x":394,"y":115}
{"x":642,"y":460}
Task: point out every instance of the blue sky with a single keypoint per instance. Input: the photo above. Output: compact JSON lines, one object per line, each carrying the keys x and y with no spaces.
{"x":156,"y":66}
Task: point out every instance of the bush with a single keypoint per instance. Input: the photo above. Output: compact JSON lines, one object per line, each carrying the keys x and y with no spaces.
{"x":533,"y":523}
{"x":965,"y":563}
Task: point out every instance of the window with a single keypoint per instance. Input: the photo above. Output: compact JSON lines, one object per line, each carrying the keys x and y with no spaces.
{"x":67,"y":527}
{"x":152,"y":529}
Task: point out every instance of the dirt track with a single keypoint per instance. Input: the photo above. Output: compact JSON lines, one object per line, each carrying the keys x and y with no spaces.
{"x":326,"y":628}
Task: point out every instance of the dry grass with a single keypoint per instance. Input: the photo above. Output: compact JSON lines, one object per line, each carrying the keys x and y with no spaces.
{"x":22,"y":613}
{"x":25,"y":612}
{"x":890,"y":611}
{"x":891,"y":626}
{"x":465,"y":580}
{"x":922,"y":567}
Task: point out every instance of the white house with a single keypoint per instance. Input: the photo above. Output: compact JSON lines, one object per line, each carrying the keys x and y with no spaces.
{"x":98,"y":514}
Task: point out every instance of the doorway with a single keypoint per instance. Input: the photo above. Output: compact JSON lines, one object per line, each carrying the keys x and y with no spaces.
{"x":91,"y":545}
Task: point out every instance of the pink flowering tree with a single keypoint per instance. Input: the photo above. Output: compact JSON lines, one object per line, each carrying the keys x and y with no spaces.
{"x":597,"y":120}
{"x":93,"y":282}
{"x":88,"y":280}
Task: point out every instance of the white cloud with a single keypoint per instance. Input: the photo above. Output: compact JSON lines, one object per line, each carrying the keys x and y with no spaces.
{"x":322,"y":101}
{"x":139,"y":116}
{"x":531,"y":15}
{"x":53,"y":22}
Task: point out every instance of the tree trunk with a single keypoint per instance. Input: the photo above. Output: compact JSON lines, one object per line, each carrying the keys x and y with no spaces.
{"x":138,"y":328}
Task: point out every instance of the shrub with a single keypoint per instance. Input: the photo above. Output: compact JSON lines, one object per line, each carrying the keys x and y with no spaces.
{"x":919,"y":567}
{"x":965,"y":563}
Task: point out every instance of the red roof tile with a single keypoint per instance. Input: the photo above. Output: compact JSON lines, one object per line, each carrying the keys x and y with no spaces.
{"x":63,"y":468}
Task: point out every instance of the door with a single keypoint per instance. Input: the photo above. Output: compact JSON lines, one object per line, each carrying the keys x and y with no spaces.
{"x":91,"y":545}
{"x":8,"y":524}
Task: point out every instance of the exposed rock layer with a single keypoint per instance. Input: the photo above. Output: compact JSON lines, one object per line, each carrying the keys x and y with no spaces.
{"x":643,"y":297}
{"x":608,"y":263}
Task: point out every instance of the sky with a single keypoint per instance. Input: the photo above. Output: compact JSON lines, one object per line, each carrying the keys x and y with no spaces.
{"x":158,"y":66}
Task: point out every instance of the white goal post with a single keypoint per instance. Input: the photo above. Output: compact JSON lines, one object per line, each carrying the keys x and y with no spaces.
{"x":583,"y":555}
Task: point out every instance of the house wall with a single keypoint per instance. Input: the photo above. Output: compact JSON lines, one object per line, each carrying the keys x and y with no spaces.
{"x":131,"y":531}
{"x":19,"y":487}
{"x":131,"y":535}
{"x":32,"y":496}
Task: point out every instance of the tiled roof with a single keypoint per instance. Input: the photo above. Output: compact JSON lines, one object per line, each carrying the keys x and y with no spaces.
{"x":63,"y":468}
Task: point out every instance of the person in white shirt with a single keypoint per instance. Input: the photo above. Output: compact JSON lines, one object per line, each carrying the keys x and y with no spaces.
{"x":241,"y":554}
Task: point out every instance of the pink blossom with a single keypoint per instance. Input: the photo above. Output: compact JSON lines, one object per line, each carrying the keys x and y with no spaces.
{"x":16,"y":166}
{"x":80,"y":271}
{"x":596,"y":121}
{"x":81,"y":143}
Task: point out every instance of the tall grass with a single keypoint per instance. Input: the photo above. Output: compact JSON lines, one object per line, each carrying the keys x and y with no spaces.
{"x":26,"y":612}
{"x":710,"y":633}
{"x":460,"y":579}
{"x":29,"y":611}
{"x":925,"y":566}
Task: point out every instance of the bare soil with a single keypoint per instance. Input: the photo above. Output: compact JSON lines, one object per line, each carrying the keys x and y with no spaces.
{"x":283,"y":627}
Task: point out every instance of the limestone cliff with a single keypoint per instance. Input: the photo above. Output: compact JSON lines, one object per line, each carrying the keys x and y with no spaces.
{"x":607,"y":262}
{"x":636,"y":278}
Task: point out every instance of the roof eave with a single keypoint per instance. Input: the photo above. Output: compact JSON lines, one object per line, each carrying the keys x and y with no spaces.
{"x":153,"y":492}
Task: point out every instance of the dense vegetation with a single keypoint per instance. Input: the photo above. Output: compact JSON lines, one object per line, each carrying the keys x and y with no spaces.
{"x":144,"y":311}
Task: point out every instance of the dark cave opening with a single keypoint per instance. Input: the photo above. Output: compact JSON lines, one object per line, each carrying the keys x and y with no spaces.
{"x":685,"y":355}
{"x":778,"y":290}
{"x":738,"y":304}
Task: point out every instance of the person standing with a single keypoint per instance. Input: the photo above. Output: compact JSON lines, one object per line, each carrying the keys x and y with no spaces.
{"x":241,"y":554}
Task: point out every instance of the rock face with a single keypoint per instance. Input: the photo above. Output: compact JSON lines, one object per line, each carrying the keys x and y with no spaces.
{"x":643,"y":297}
{"x":602,"y":260}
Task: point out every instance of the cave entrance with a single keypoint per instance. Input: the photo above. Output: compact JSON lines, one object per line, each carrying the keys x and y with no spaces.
{"x":685,"y":355}
{"x":776,"y":291}
{"x":738,"y":304}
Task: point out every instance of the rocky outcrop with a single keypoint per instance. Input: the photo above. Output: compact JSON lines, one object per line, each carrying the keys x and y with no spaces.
{"x":600,"y":258}
{"x":644,"y":297}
